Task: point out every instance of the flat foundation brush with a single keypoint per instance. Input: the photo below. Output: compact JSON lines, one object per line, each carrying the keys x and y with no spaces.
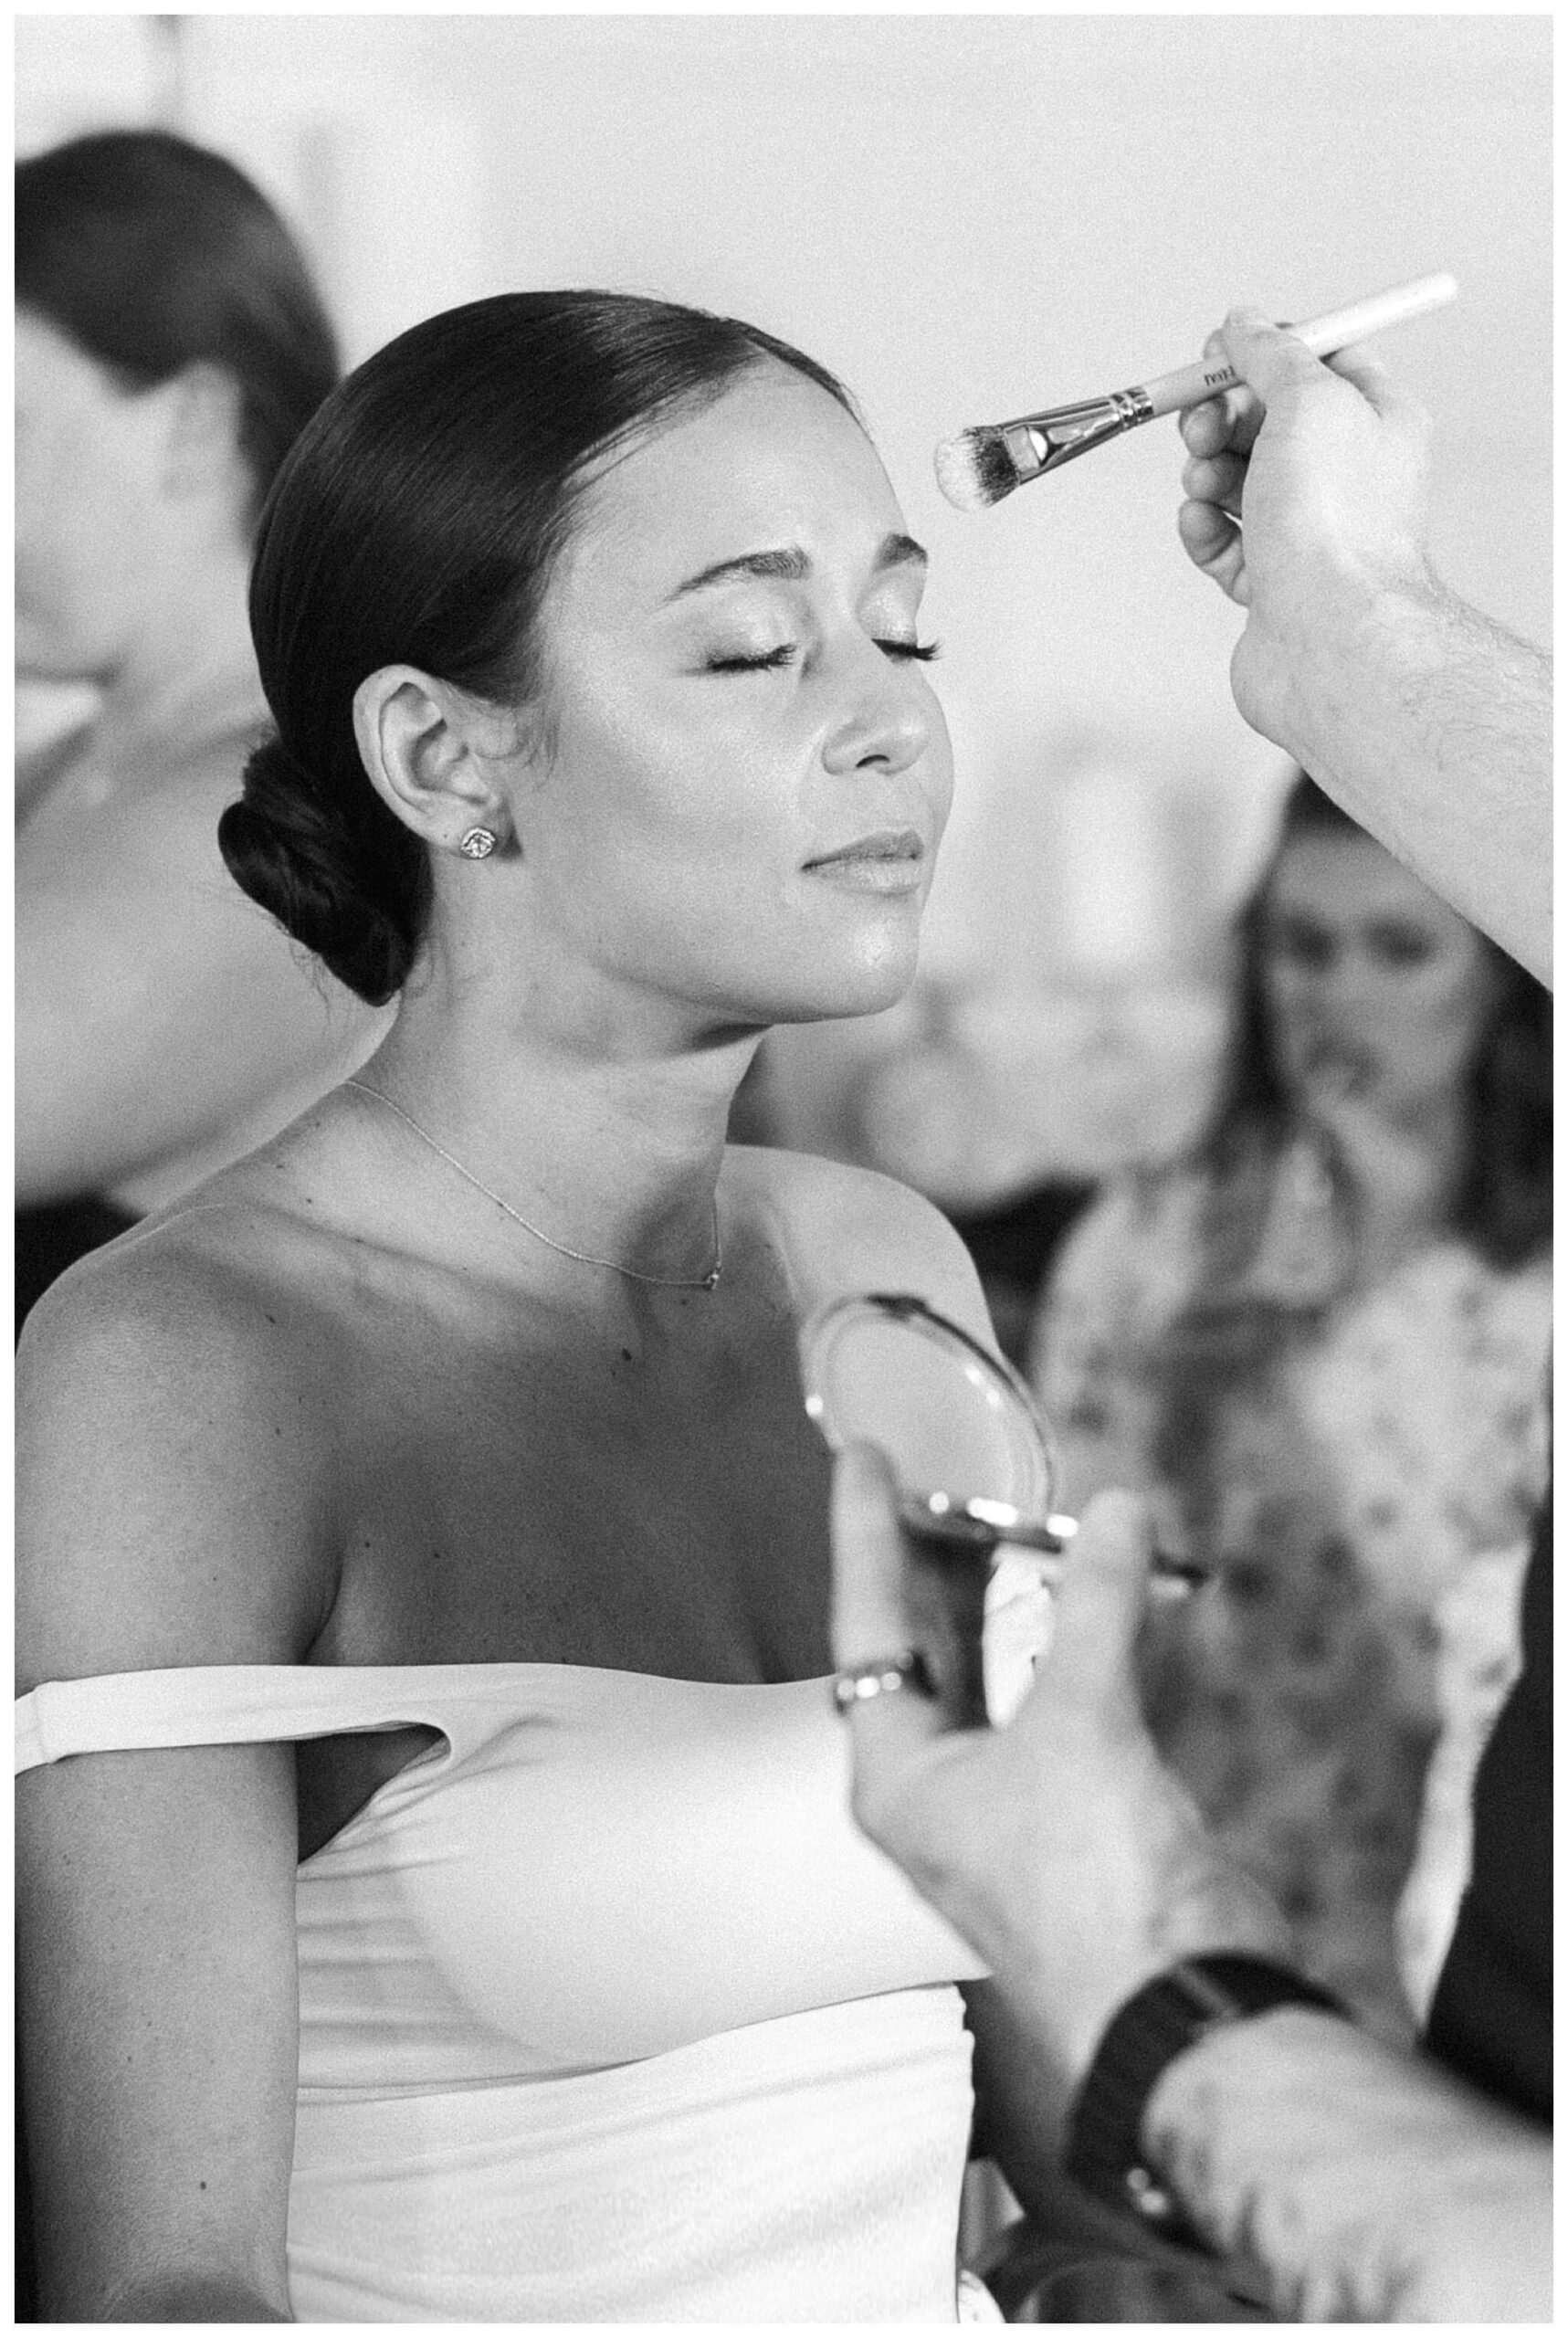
{"x":981,"y":466}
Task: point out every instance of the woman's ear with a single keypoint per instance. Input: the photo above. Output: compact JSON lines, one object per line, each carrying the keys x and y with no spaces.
{"x":431,"y":753}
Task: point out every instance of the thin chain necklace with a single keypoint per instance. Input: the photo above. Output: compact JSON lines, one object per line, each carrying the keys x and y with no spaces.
{"x":584,"y":1257}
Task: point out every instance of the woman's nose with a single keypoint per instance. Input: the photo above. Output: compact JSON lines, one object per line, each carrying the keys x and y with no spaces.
{"x":886,"y":720}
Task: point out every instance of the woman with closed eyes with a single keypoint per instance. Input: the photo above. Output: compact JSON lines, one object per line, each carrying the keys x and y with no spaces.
{"x":440,"y":1899}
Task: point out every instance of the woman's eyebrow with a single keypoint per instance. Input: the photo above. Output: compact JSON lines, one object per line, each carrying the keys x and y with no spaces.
{"x":792,"y":564}
{"x":897,"y":552}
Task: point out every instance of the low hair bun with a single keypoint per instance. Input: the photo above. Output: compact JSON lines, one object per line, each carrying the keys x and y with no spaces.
{"x":353,"y":896}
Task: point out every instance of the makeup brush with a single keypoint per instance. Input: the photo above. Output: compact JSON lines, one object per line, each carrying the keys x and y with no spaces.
{"x":981,"y":466}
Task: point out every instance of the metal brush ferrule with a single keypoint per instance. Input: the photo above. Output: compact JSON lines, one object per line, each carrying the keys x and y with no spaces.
{"x":1043,"y":442}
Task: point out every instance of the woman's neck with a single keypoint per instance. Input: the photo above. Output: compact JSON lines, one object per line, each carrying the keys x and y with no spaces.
{"x":613,"y":1153}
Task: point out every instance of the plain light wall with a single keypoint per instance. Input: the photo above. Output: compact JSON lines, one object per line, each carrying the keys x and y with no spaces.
{"x":966,"y":217}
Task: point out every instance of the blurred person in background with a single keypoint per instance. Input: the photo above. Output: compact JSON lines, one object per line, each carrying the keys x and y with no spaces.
{"x":170,"y":344}
{"x":1321,"y":1342}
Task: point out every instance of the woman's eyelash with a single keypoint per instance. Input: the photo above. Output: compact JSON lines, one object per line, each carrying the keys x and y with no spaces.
{"x":782,"y":656}
{"x":770,"y":660}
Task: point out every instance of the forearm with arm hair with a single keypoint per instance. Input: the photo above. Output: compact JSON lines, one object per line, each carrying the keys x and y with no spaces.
{"x":1359,"y":2182}
{"x":1432,"y":726}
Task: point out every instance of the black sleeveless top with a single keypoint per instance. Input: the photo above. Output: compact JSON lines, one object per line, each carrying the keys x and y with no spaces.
{"x":1491,"y":2017}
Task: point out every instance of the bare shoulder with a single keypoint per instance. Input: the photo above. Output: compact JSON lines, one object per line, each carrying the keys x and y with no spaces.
{"x":844,"y":1228}
{"x":173,"y":1452}
{"x":182,"y":1295}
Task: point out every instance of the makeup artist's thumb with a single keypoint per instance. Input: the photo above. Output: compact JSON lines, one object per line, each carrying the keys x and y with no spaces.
{"x":1270,"y":360}
{"x":870,"y":1619}
{"x":872,"y":1624}
{"x":1099,"y":1606}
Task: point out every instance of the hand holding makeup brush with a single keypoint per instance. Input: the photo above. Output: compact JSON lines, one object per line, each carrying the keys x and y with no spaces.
{"x":1428,"y":722}
{"x":1333,"y":461}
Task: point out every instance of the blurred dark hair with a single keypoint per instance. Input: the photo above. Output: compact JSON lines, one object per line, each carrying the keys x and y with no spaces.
{"x":152,"y":255}
{"x":1504,"y":1205}
{"x":416,"y":521}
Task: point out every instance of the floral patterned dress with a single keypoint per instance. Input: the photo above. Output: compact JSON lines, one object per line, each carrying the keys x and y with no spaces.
{"x":1360,"y":1466}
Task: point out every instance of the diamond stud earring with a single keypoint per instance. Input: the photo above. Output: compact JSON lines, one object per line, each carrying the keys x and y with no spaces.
{"x":476,"y":844}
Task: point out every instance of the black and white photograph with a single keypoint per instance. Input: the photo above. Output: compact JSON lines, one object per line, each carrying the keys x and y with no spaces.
{"x":784,"y":1166}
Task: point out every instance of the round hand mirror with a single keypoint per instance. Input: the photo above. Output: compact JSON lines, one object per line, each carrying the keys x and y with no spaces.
{"x":974,"y":1459}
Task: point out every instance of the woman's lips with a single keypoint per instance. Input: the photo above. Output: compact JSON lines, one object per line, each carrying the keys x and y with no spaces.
{"x":890,"y":860}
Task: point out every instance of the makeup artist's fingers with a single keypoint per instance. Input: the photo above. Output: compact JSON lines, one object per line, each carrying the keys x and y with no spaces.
{"x":1233,"y":420}
{"x":1241,"y":409}
{"x":1213,"y":542}
{"x":1206,"y":528}
{"x":1279,"y":368}
{"x":871,"y":1619}
{"x":1248,"y":417}
{"x":1270,"y":360}
{"x":1205,"y":429}
{"x":908,"y":1770}
{"x":1215,"y":347}
{"x":869,"y":1613}
{"x":1275,"y":365}
{"x":1215,"y":478}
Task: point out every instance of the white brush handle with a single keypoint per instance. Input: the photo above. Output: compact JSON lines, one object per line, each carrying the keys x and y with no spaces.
{"x":1194,"y":384}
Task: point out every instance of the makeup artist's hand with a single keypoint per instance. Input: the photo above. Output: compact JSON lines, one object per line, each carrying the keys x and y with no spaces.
{"x":1426,"y":720}
{"x":1324,"y":465}
{"x":1060,"y":1846}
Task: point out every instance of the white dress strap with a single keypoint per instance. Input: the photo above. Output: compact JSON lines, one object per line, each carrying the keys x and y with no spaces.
{"x":229,"y":1704}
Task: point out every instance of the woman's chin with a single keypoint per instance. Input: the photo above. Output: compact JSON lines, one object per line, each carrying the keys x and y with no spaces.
{"x":834,"y":992}
{"x":817,"y":977}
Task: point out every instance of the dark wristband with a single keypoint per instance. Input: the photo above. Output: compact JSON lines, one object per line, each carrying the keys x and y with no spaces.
{"x":1105,"y":2150}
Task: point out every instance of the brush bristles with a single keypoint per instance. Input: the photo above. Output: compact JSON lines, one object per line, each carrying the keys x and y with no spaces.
{"x":974,"y":471}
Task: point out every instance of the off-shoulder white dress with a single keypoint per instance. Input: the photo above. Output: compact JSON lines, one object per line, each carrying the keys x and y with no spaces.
{"x":607,"y":2011}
